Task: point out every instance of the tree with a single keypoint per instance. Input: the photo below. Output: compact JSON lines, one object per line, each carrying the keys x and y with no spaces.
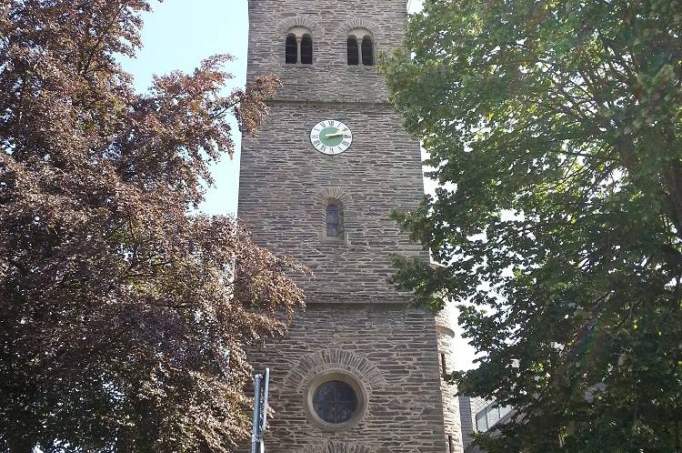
{"x":555,"y":132}
{"x":124,"y":319}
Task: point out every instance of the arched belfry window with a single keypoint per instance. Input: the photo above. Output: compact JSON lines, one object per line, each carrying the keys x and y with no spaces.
{"x":291,"y":49}
{"x":334,"y":217}
{"x":367,"y":51}
{"x":360,"y":47}
{"x":299,"y":46}
{"x":353,"y":51}
{"x":307,"y":49}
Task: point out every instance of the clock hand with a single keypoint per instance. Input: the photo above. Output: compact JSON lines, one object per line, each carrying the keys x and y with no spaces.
{"x":336,"y":134}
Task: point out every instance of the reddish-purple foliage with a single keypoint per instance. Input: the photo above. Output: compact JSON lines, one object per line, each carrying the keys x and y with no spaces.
{"x":122,"y":324}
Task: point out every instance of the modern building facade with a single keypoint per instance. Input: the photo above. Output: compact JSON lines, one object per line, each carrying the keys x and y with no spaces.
{"x":361,"y":369}
{"x":480,"y":416}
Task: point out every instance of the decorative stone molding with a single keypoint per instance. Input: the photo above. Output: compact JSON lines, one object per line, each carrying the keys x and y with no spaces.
{"x":359,"y":389}
{"x":336,"y":447}
{"x":299,"y":31}
{"x":328,"y":360}
{"x":344,"y":199}
{"x":285,"y":25}
{"x":349,"y":26}
{"x":334,"y":193}
{"x":360,"y":33}
{"x":299,"y":26}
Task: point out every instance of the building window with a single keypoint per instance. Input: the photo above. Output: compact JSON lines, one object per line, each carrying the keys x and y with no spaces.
{"x":334,"y":220}
{"x":291,"y":49}
{"x":335,"y":402}
{"x":451,"y":444}
{"x":367,"y":51}
{"x":360,"y":47}
{"x":298,"y":48}
{"x":307,"y":50}
{"x":353,"y":51}
{"x":489,"y":416}
{"x":444,"y":366}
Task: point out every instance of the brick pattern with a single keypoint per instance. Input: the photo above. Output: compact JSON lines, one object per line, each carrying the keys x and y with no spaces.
{"x":356,"y":323}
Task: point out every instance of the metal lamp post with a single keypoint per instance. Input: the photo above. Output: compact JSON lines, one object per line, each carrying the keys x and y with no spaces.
{"x":261,"y":384}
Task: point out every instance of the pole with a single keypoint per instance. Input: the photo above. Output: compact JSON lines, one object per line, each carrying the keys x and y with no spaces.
{"x":261,"y":387}
{"x":256,"y":413}
{"x":264,"y":411}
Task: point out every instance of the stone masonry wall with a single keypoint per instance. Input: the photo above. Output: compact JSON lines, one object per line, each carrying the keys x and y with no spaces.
{"x":329,"y":78}
{"x":285,"y":185}
{"x":451,"y":413}
{"x":357,"y":324}
{"x":389,"y":349}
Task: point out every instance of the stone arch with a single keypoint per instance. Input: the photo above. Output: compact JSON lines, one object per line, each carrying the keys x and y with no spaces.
{"x":311,"y":365}
{"x":348,"y":27}
{"x":290,"y":23}
{"x":299,"y":27}
{"x":337,"y":193}
{"x":333,"y":194}
{"x":340,"y":197}
{"x":336,"y":447}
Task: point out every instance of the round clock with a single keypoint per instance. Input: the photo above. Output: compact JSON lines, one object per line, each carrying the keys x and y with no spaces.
{"x":331,"y":137}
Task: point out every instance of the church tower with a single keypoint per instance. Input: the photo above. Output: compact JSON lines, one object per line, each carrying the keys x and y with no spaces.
{"x":361,"y":369}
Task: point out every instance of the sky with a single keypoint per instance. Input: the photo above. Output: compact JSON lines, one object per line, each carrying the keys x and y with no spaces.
{"x":177,"y":35}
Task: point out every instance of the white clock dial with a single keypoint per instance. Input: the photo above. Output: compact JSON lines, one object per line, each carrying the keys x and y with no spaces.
{"x":331,"y":137}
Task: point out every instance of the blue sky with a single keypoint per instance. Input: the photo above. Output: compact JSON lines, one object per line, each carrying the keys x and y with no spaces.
{"x":178,"y":34}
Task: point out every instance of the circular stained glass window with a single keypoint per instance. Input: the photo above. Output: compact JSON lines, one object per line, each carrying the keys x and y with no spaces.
{"x":335,"y":401}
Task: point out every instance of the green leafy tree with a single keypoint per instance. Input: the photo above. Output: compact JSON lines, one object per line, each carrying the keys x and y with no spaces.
{"x":555,"y":132}
{"x":123,"y":319}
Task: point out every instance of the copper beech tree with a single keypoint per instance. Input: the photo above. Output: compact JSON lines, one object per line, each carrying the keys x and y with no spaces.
{"x":123,"y":321}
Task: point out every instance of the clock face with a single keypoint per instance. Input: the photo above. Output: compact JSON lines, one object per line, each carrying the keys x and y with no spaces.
{"x":331,"y":137}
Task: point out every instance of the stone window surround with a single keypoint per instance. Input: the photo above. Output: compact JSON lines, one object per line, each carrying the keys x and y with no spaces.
{"x":334,"y":364}
{"x":336,"y":375}
{"x":343,"y":199}
{"x":340,"y":34}
{"x":299,"y":32}
{"x":341,"y":236}
{"x":360,"y":33}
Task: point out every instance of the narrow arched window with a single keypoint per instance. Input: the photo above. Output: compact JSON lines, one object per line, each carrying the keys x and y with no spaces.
{"x":307,"y":49}
{"x":334,"y":220}
{"x":353,"y":51}
{"x":291,"y":49}
{"x":367,"y":51}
